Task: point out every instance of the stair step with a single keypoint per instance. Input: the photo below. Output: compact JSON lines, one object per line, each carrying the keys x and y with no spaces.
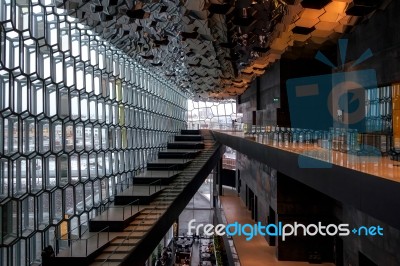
{"x":118,"y":249}
{"x":141,"y":223}
{"x":158,"y":212}
{"x":185,"y":145}
{"x":148,"y":216}
{"x":131,"y":228}
{"x":101,"y":263}
{"x":130,"y":237}
{"x":188,"y":138}
{"x":116,"y":257}
{"x":160,"y":203}
{"x":137,"y":228}
{"x":133,"y":234}
{"x":190,"y":132}
{"x":123,"y":242}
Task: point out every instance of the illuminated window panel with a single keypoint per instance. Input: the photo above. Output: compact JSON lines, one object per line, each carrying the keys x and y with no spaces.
{"x":75,"y":115}
{"x":212,"y":115}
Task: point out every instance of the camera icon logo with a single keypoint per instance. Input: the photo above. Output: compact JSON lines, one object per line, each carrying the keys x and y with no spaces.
{"x":334,"y":100}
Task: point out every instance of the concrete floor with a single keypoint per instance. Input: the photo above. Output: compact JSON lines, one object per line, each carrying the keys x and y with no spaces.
{"x":256,"y":252}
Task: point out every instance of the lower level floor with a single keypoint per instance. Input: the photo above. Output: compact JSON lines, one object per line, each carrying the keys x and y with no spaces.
{"x":257,"y":251}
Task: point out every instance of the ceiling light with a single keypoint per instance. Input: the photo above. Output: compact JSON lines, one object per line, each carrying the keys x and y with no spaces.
{"x":244,"y":12}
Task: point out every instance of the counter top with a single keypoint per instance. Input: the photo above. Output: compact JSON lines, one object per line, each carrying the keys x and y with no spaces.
{"x":369,"y":183}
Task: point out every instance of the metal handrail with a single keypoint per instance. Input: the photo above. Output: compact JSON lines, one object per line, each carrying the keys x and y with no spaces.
{"x":155,"y":187}
{"x":133,"y":230}
{"x":123,"y":208}
{"x":151,"y":156}
{"x":126,"y":182}
{"x":61,"y":237}
{"x":67,"y":233}
{"x":71,"y":241}
{"x":143,"y":219}
{"x":169,"y":170}
{"x":179,"y":184}
{"x":97,"y":234}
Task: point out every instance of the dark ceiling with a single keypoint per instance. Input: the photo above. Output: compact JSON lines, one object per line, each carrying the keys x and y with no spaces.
{"x":214,"y":48}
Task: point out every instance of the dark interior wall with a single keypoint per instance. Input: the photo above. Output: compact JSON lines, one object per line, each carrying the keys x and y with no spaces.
{"x":247,"y":103}
{"x":228,"y":177}
{"x":262,"y":180}
{"x":249,"y":95}
{"x":381,"y":34}
{"x":297,"y":68}
{"x":302,"y":204}
{"x":371,"y":197}
{"x":270,"y":86}
{"x":294,"y":201}
{"x":380,"y":250}
{"x":291,"y":201}
{"x":267,"y":94}
{"x":301,"y":68}
{"x":269,"y":89}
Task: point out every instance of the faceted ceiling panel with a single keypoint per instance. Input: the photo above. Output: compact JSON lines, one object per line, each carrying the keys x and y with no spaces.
{"x":299,"y":29}
{"x":215,"y":48}
{"x":177,"y":39}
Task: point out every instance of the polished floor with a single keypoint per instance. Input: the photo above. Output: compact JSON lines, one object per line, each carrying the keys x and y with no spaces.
{"x":256,"y":252}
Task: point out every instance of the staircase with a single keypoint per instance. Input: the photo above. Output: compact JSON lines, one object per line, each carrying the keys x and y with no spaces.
{"x":175,"y":168}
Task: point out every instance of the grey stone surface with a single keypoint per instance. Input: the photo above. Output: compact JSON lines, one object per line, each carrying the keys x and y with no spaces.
{"x":263,"y":180}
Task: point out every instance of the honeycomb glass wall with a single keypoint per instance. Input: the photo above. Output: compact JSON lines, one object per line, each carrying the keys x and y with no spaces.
{"x":213,"y":115}
{"x":77,"y":116}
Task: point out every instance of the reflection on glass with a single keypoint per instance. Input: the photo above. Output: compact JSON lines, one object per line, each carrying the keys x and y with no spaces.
{"x":76,"y":115}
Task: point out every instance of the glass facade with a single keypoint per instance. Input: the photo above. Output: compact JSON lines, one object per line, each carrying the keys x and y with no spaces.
{"x":213,"y":115}
{"x":77,"y":116}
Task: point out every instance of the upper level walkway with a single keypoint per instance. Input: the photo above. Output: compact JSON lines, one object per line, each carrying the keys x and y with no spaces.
{"x":369,"y":183}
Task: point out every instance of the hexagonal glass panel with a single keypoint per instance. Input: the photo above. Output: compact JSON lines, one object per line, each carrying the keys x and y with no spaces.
{"x":75,"y":113}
